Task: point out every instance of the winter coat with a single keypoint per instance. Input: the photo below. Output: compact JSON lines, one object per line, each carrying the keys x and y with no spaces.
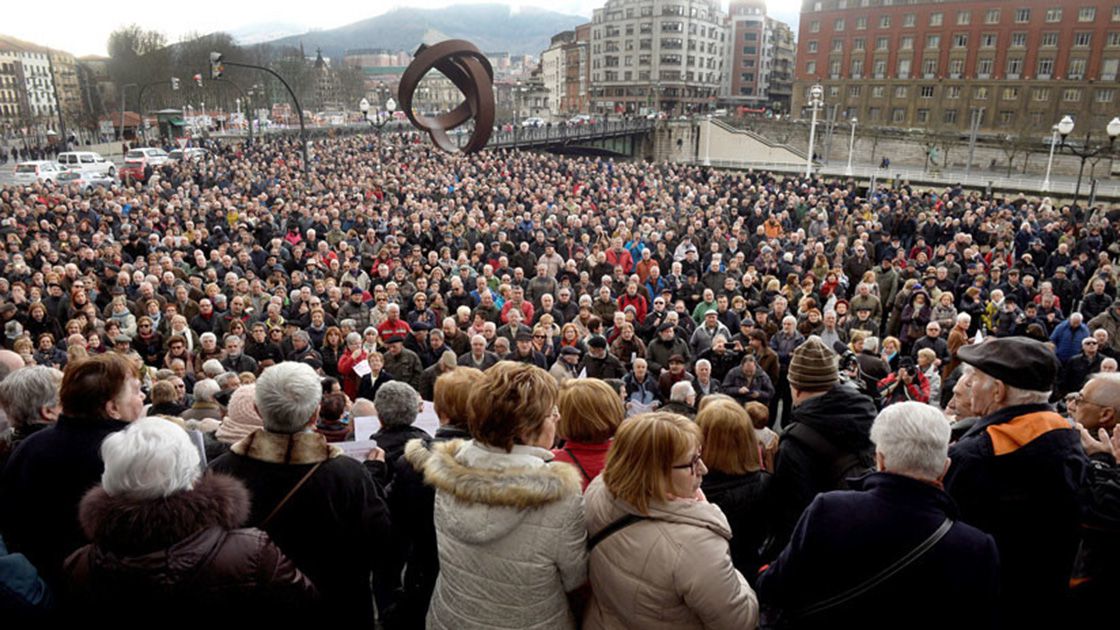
{"x":743,"y":499}
{"x":843,"y":417}
{"x":658,"y":353}
{"x":1109,"y":320}
{"x":889,"y":517}
{"x":42,"y":485}
{"x":24,"y":596}
{"x":335,"y":528}
{"x":511,"y":536}
{"x":1016,"y":474}
{"x":670,"y":572}
{"x":1067,"y":340}
{"x":759,"y":387}
{"x":183,"y":552}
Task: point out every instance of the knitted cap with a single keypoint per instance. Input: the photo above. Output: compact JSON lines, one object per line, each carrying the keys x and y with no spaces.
{"x":241,"y":415}
{"x":813,"y":366}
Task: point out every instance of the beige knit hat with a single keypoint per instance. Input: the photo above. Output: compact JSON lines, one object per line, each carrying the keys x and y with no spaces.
{"x":241,"y":416}
{"x":813,"y":367}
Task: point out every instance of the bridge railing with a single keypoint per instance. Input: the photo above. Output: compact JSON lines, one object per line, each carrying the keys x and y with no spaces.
{"x":545,"y":134}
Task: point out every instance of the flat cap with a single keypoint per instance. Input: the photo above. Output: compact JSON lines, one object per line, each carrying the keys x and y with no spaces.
{"x":570,"y":351}
{"x":523,"y":336}
{"x":676,"y":358}
{"x":421,"y":327}
{"x":395,"y":339}
{"x":665,"y":326}
{"x":1016,"y":361}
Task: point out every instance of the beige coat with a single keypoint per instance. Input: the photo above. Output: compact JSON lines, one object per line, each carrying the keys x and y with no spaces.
{"x":511,"y":536}
{"x":673,"y":572}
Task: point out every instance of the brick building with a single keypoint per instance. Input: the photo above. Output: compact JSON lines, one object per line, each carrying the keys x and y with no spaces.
{"x":1018,"y":66}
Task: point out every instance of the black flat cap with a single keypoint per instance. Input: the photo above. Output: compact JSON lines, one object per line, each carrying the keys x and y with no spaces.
{"x":523,"y":336}
{"x":421,"y":327}
{"x":570,"y":350}
{"x":665,"y":326}
{"x":1016,"y":361}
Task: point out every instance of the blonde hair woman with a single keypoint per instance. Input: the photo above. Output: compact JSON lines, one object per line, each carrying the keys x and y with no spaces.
{"x":658,"y":550}
{"x":509,"y":521}
{"x":590,"y":412}
{"x":735,"y":480}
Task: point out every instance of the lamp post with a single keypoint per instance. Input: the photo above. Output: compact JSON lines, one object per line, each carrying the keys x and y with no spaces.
{"x":123,"y":88}
{"x":1050,"y":160}
{"x":851,"y":148}
{"x":816,"y":101}
{"x":708,"y":141}
{"x":1086,"y":152}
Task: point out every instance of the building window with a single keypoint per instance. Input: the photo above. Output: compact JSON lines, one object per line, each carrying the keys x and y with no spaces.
{"x":1010,"y":93}
{"x":988,"y":40}
{"x":960,"y":40}
{"x":1048,"y":40}
{"x":1041,"y":94}
{"x":964,"y":18}
{"x":857,"y":68}
{"x":929,"y":67}
{"x":900,"y":91}
{"x":861,"y":23}
{"x":1106,"y":95}
{"x":877,"y":91}
{"x":1114,"y":38}
{"x":898,"y":115}
{"x":909,"y":20}
{"x":984,"y":68}
{"x":854,"y":91}
{"x":838,"y":25}
{"x":927,"y":91}
{"x":882,"y":44}
{"x":906,"y":43}
{"x":1014,"y":67}
{"x":1116,"y":13}
{"x":935,"y":19}
{"x":953,"y":92}
{"x":1006,"y":118}
{"x":834,"y":68}
{"x":812,"y":47}
{"x":885,"y":21}
{"x":1082,"y":39}
{"x":1054,"y":15}
{"x":1076,"y":69}
{"x":815,"y":26}
{"x":992,"y":16}
{"x":956,"y":67}
{"x":880,"y":68}
{"x":1022,"y":16}
{"x":1045,"y":67}
{"x":1087,"y":14}
{"x":837,"y":45}
{"x":949,"y":117}
{"x":933,"y":41}
{"x":811,"y":68}
{"x":1019,"y":40}
{"x":873,"y":114}
{"x":1072,"y":95}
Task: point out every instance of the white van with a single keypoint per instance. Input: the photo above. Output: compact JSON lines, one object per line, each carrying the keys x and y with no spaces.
{"x":86,"y":162}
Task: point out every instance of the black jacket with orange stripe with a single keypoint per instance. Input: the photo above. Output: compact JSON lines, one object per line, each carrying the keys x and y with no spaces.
{"x":1016,"y":474}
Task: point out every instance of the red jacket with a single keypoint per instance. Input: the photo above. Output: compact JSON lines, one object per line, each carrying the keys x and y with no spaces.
{"x":589,"y":459}
{"x":638,"y":301}
{"x":621,"y":258}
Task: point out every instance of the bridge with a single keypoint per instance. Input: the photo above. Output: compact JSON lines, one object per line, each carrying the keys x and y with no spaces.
{"x":625,"y":137}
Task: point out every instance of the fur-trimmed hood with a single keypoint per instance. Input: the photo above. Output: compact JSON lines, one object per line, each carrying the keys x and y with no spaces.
{"x":493,"y":490}
{"x":304,"y":447}
{"x":128,"y":526}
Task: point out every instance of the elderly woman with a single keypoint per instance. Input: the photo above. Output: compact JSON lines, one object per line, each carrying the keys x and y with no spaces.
{"x":166,"y":535}
{"x":735,"y":481}
{"x":509,"y":520}
{"x":352,"y":356}
{"x":902,"y":513}
{"x":590,"y":412}
{"x":29,"y":397}
{"x":397,"y":406}
{"x":659,"y":551}
{"x":204,"y":404}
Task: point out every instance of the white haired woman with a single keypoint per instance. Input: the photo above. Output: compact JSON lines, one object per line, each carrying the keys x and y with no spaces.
{"x":164,"y":535}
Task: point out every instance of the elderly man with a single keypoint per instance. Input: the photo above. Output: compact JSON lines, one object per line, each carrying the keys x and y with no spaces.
{"x":1067,"y":337}
{"x":29,"y":397}
{"x":1109,"y":320}
{"x":478,"y":357}
{"x":747,"y":383}
{"x":599,"y":363}
{"x":1078,"y":369}
{"x":402,"y":363}
{"x":902,"y":512}
{"x":666,"y":345}
{"x":235,"y":359}
{"x":709,"y":328}
{"x":311,"y":499}
{"x":1016,"y":474}
{"x":682,"y":400}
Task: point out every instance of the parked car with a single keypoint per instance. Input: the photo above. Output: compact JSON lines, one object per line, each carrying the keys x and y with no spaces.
{"x":581,"y":119}
{"x":137,"y":159}
{"x":193,"y":153}
{"x":86,"y":162}
{"x":533,"y":121}
{"x":85,"y":181}
{"x":37,"y":171}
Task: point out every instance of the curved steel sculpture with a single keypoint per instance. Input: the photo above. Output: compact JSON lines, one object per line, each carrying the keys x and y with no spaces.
{"x":470,"y":71}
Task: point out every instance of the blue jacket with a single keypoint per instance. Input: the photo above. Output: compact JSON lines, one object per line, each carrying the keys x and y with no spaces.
{"x":23,"y":594}
{"x":1016,"y":474}
{"x":846,"y":537}
{"x":1067,"y":340}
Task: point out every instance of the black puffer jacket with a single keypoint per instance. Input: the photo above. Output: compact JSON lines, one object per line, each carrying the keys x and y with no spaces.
{"x":843,"y":417}
{"x":743,"y":501}
{"x":182,"y":552}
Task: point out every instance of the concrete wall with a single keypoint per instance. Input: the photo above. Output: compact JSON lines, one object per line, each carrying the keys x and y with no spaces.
{"x":718,"y":142}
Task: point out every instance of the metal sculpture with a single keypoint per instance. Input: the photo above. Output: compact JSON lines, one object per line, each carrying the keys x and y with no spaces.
{"x":465,"y":66}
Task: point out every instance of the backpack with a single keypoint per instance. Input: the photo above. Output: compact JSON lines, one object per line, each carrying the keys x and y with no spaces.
{"x":842,"y":466}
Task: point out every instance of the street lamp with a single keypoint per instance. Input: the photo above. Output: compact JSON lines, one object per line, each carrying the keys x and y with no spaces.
{"x":816,"y":101}
{"x":1086,"y":152}
{"x":851,"y":148}
{"x":1053,"y":143}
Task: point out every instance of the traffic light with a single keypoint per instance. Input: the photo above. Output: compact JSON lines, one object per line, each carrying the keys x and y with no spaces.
{"x":174,"y":83}
{"x":216,"y":65}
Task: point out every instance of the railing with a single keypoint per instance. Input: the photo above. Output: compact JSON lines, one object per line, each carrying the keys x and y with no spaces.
{"x":975,"y":180}
{"x":561,"y":133}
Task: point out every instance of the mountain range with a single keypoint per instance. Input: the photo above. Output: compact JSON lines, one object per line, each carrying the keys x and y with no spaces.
{"x":491,"y":27}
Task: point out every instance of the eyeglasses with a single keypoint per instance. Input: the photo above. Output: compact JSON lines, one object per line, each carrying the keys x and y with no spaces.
{"x":692,"y":465}
{"x":1079,"y":399}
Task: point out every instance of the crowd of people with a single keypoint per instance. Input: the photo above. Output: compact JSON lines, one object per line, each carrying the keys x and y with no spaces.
{"x":669,"y":396}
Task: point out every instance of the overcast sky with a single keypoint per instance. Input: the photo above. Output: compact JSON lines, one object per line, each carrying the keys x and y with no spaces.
{"x":82,"y":27}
